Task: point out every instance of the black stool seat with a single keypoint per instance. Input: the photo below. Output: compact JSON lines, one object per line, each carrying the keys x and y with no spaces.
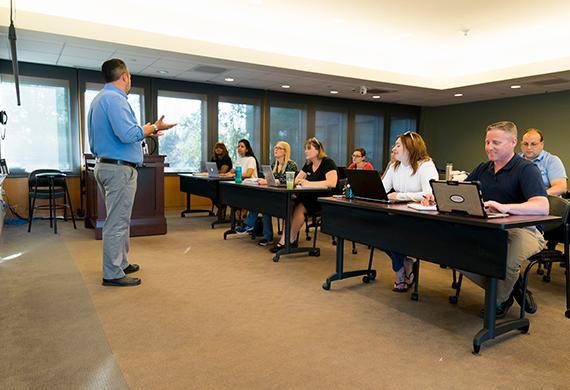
{"x":49,"y":184}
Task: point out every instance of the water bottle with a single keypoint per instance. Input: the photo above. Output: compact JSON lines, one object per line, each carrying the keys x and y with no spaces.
{"x":448,"y":170}
{"x":348,"y":194}
{"x":238,"y":174}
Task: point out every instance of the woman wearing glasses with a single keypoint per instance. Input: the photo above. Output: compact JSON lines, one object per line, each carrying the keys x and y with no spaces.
{"x":318,"y":171}
{"x":409,"y":177}
{"x":282,"y":164}
{"x":359,"y":160}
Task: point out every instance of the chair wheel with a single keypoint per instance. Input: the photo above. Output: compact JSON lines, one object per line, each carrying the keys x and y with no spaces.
{"x":308,"y":238}
{"x":540,"y":271}
{"x":414,"y":296}
{"x":366,"y":279}
{"x":315,"y":252}
{"x":454,"y":285}
{"x":326,"y":286}
{"x":567,"y":313}
{"x":525,"y":329}
{"x":276,"y":258}
{"x":546,"y":278}
{"x":453,"y":300}
{"x":355,"y":251}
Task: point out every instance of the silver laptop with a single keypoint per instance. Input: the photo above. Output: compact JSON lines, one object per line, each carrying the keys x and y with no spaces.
{"x":212,"y":170}
{"x":463,"y":198}
{"x":268,"y":174}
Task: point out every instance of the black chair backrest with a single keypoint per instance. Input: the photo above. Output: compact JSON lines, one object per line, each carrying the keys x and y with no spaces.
{"x":43,"y":181}
{"x":559,"y":207}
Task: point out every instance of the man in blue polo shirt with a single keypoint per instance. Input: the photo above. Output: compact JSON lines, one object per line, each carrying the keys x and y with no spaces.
{"x":510,"y":184}
{"x":115,"y":138}
{"x":550,"y":166}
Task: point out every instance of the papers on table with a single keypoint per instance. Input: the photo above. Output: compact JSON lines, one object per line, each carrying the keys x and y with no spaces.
{"x":420,"y":207}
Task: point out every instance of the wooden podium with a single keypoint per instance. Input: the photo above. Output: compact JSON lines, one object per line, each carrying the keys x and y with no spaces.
{"x":148,"y":210}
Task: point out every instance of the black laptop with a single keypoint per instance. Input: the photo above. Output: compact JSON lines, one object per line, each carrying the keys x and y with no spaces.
{"x":366,"y":185}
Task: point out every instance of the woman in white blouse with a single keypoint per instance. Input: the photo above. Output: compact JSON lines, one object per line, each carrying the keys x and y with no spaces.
{"x":409,"y":177}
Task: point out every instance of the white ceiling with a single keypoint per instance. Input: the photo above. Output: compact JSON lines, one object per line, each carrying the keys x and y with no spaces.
{"x":314,"y":46}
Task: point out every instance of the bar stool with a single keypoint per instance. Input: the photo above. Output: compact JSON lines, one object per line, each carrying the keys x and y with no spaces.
{"x":49,"y":184}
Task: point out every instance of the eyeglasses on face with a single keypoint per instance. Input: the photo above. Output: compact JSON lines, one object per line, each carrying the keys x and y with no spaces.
{"x":530,"y":144}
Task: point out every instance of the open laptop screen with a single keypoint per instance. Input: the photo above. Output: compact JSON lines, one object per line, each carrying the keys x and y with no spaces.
{"x":460,"y":198}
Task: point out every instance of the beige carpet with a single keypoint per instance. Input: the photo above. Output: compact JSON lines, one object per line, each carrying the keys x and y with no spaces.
{"x":215,"y":314}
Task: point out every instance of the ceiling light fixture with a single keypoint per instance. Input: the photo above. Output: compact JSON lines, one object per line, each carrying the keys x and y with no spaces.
{"x":229,"y":79}
{"x":286,"y":86}
{"x":515,"y":86}
{"x":458,"y":95}
{"x":334,"y":92}
{"x":376,"y":97}
{"x":162,"y":71}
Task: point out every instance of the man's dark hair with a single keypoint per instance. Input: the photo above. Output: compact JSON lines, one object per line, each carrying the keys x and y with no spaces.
{"x":113,"y":69}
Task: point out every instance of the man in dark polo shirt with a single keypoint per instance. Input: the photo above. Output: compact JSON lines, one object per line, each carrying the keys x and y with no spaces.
{"x":510,"y":184}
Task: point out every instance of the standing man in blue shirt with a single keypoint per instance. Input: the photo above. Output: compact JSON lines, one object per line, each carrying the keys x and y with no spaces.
{"x":115,"y":138}
{"x":551,"y":167}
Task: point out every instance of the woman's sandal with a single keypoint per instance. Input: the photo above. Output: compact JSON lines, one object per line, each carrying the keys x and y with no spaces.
{"x":409,"y":280}
{"x":400,"y":287}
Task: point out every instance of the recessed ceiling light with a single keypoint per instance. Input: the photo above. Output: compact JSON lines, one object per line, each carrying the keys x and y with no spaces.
{"x":286,"y":86}
{"x":162,"y":71}
{"x":515,"y":86}
{"x":376,"y":97}
{"x":458,"y":95}
{"x":229,"y":79}
{"x":334,"y":92}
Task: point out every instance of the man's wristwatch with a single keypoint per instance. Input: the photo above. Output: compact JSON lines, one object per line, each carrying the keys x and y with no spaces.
{"x":155,"y":127}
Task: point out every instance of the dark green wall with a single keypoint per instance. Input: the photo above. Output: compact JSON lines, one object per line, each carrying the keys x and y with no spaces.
{"x":455,"y":133}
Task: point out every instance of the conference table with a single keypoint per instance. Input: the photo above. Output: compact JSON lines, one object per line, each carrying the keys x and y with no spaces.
{"x":275,"y":201}
{"x":208,"y":187}
{"x":471,"y":244}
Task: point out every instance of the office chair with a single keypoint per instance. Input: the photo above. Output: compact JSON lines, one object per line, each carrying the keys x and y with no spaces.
{"x":48,"y":184}
{"x":556,"y":233}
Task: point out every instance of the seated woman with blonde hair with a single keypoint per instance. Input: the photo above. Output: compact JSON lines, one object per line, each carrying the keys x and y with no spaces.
{"x":319,"y":171}
{"x":282,"y":164}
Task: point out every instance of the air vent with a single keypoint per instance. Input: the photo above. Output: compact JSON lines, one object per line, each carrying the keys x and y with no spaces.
{"x":209,"y":69}
{"x":553,"y":81}
{"x":379,"y":91}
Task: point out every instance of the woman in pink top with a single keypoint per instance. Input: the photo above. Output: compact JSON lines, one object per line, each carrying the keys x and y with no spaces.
{"x":359,"y":160}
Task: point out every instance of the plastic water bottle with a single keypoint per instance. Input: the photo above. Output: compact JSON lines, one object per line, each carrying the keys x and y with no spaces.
{"x":238,"y":174}
{"x":348,"y":194}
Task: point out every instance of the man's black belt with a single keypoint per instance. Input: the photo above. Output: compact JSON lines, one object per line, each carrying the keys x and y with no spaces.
{"x":116,"y":162}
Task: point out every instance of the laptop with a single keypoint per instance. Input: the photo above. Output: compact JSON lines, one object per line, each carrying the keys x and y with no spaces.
{"x":366,"y":185}
{"x":465,"y":198}
{"x":268,"y":174}
{"x":212,"y":169}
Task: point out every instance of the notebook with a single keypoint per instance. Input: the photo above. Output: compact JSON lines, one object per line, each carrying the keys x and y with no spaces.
{"x":268,"y":174}
{"x":366,"y":185}
{"x":463,"y":198}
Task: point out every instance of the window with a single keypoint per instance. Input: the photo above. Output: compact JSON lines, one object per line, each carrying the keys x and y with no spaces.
{"x":38,"y":133}
{"x":369,"y":134}
{"x":136,"y":100}
{"x":185,"y":144}
{"x":330,"y":129}
{"x":289,"y":124}
{"x":399,"y":124}
{"x":238,"y":120}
